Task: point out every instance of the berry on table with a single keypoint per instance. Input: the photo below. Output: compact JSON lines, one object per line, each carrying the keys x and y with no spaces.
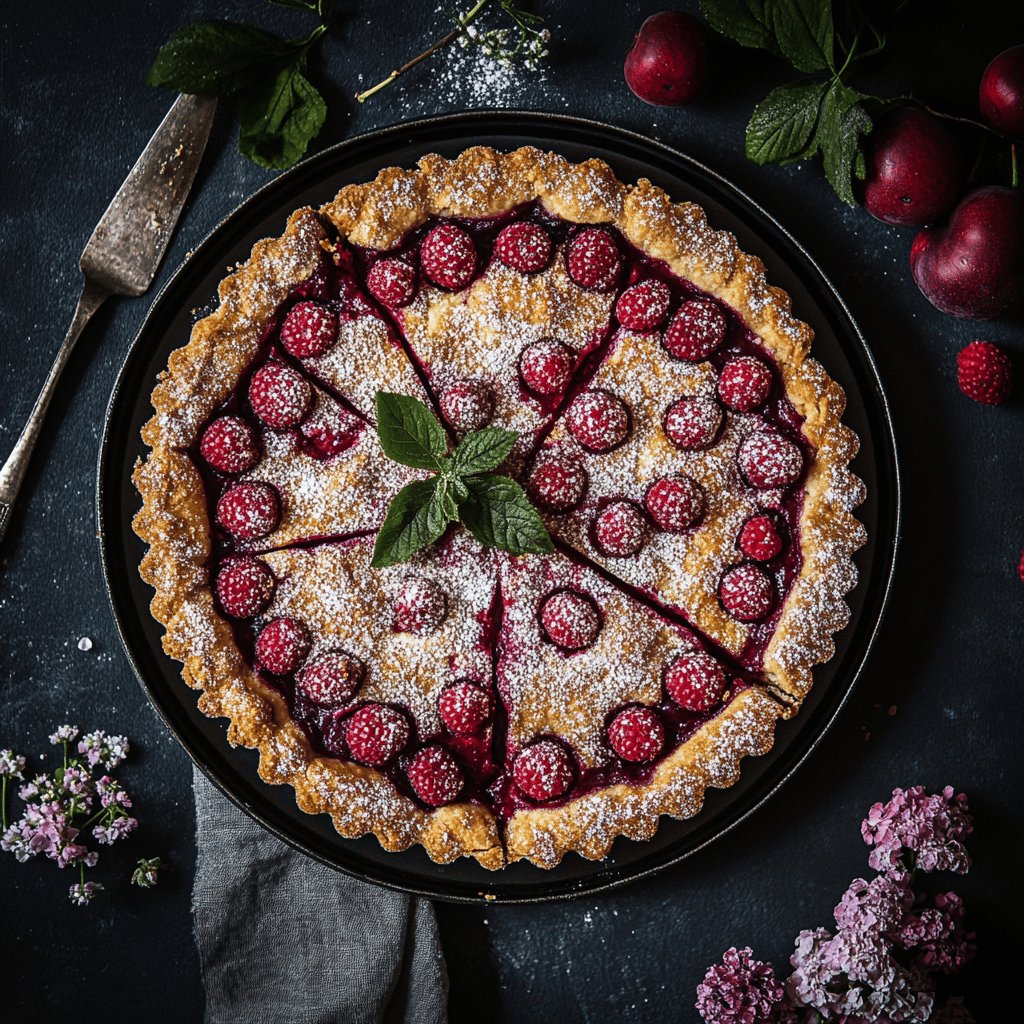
{"x":984,"y":373}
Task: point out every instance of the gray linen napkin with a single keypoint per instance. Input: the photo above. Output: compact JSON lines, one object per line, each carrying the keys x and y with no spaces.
{"x":285,"y":940}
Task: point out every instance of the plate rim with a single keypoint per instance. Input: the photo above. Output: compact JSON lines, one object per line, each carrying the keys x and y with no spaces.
{"x":498,"y":120}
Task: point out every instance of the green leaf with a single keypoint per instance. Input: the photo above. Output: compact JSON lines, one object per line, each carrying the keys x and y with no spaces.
{"x":744,"y":21}
{"x":842,"y":123}
{"x":218,"y":58}
{"x":279,"y":120}
{"x":498,"y":513}
{"x":803,"y":32}
{"x":782,"y":123}
{"x":482,"y":451}
{"x":414,"y":520}
{"x":409,"y":432}
{"x":447,"y":499}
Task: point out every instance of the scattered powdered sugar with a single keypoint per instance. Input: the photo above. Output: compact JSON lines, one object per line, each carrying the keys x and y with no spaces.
{"x":85,"y":644}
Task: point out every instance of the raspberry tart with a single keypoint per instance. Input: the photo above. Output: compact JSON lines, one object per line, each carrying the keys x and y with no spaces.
{"x":685,"y":452}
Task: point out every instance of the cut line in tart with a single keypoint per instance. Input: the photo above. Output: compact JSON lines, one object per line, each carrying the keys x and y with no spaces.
{"x":686,"y":452}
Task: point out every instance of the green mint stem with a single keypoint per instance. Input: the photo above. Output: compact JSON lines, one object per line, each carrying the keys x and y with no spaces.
{"x":464,"y":22}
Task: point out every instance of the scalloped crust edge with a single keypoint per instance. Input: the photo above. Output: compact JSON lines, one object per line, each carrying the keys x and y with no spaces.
{"x":173,"y":517}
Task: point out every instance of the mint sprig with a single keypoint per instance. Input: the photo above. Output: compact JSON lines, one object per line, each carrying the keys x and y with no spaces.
{"x":494,"y":509}
{"x":280,"y":110}
{"x":821,"y":115}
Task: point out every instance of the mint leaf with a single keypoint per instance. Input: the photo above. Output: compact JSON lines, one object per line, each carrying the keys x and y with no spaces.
{"x":783,"y":121}
{"x":803,"y":32}
{"x":218,"y":58}
{"x":482,"y":451}
{"x":843,"y":121}
{"x":498,"y":513}
{"x":414,"y":520}
{"x":745,"y":21}
{"x":446,"y":496}
{"x":279,"y":121}
{"x":409,"y":432}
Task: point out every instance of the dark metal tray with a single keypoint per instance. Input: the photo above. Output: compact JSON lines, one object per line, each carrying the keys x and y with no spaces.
{"x":838,"y":345}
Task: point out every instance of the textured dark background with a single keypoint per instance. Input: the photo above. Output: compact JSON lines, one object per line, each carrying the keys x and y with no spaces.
{"x":939,"y":701}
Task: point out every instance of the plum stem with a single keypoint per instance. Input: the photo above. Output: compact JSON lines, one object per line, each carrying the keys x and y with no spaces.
{"x":1014,"y":171}
{"x":955,"y":117}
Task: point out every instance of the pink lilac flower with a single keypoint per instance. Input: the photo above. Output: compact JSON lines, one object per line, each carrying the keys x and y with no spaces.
{"x":15,"y":841}
{"x":64,"y":734}
{"x":877,"y":906}
{"x":854,"y":976}
{"x":742,"y":990}
{"x":76,"y":782}
{"x":930,"y":825}
{"x":117,"y":829}
{"x":98,"y":746}
{"x":938,"y":935}
{"x":11,"y":764}
{"x":82,"y":893}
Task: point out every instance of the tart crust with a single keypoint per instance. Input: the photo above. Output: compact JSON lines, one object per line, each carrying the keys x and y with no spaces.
{"x":174,"y":523}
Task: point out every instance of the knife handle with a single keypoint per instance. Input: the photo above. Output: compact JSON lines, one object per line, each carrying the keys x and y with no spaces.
{"x":14,"y":469}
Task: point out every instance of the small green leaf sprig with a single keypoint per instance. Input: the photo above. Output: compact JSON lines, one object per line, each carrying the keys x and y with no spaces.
{"x":494,"y":509}
{"x":799,"y":120}
{"x":280,"y":110}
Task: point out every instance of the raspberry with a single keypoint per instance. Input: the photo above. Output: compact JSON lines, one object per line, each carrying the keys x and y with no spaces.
{"x":769,"y":460}
{"x":250,"y":510}
{"x":467,"y":405}
{"x":695,"y":681}
{"x":332,"y":679}
{"x":435,"y":776}
{"x":420,"y":606}
{"x":744,"y":383}
{"x":557,"y":482}
{"x":282,"y":646}
{"x":598,"y":420}
{"x":747,"y":593}
{"x":244,"y":587}
{"x":448,"y":256}
{"x":543,"y":770}
{"x":545,"y":367}
{"x":644,"y":306}
{"x":524,"y":247}
{"x":229,"y":444}
{"x":309,"y":329}
{"x":331,"y":430}
{"x":984,"y":373}
{"x":464,"y":707}
{"x":570,"y":619}
{"x":279,"y":396}
{"x":392,"y":283}
{"x":695,"y":331}
{"x":636,"y":734}
{"x":594,"y":260}
{"x":759,"y":539}
{"x":376,"y":733}
{"x":676,"y":503}
{"x":693,"y":423}
{"x":620,"y":529}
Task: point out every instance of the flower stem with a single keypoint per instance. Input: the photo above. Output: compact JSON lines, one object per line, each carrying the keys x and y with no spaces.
{"x":3,"y":802}
{"x":464,"y":22}
{"x":1014,"y":170}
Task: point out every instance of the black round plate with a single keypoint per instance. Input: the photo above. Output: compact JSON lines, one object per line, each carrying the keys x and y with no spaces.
{"x":839,"y":346}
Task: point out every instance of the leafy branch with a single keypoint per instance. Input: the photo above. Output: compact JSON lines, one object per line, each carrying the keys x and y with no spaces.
{"x":280,"y":110}
{"x":505,"y":45}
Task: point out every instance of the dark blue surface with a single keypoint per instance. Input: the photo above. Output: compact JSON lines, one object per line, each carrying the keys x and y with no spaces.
{"x":939,"y":702}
